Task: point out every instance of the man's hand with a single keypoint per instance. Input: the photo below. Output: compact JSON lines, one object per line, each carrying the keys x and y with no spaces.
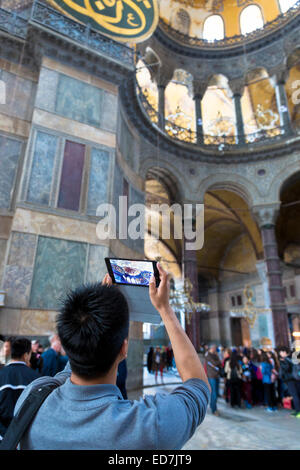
{"x":159,"y":296}
{"x":107,"y":280}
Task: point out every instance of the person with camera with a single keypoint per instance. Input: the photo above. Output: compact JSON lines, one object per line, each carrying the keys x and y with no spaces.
{"x":87,"y":405}
{"x":214,"y":372}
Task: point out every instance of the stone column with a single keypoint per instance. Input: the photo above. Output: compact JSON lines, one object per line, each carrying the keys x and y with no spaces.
{"x":266,"y":216}
{"x":237,"y":87}
{"x":199,"y":91}
{"x":282,"y":101}
{"x":199,"y":122}
{"x":161,"y":106}
{"x":239,"y":119}
{"x":190,"y":271}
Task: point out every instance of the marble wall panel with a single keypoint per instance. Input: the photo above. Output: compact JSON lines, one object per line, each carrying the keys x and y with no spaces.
{"x":9,"y":158}
{"x":55,"y":226}
{"x":18,"y":272}
{"x":96,"y":264}
{"x":16,"y":284}
{"x":46,"y":92}
{"x":20,"y":94}
{"x":98,"y":179}
{"x":79,"y":101}
{"x":73,"y":128}
{"x":37,"y":322}
{"x":42,"y":168}
{"x":59,"y":266}
{"x":109,"y":112}
{"x":22,"y":249}
{"x":3,"y":244}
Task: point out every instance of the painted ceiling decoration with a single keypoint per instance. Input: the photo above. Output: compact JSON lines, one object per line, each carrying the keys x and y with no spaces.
{"x":123,"y":20}
{"x":209,"y":5}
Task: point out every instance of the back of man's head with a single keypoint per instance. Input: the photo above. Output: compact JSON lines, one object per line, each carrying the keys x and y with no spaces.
{"x":92,"y":326}
{"x":19,"y":347}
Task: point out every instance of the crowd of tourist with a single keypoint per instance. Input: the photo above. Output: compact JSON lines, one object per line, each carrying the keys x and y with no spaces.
{"x":253,"y":377}
{"x":21,"y":362}
{"x":159,"y":359}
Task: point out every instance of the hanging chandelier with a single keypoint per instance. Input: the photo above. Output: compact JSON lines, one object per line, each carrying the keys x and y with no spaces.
{"x":250,"y":311}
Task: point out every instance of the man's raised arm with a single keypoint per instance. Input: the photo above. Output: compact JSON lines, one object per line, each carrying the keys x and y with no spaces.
{"x":187,"y":361}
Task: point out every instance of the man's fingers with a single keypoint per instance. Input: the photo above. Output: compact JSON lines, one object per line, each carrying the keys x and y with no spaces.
{"x":163,"y":274}
{"x":107,"y":280}
{"x":152,"y":286}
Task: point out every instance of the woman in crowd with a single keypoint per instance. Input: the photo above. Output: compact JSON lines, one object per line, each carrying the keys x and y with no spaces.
{"x":269,"y":376}
{"x":233,"y":371}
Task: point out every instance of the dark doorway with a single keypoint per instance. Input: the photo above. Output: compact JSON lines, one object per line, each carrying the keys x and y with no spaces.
{"x":236,"y":332}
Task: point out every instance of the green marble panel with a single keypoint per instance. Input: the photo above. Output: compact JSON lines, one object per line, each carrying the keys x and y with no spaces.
{"x":79,"y":101}
{"x":9,"y":157}
{"x":98,"y":182}
{"x":96,"y":264}
{"x":42,"y":168}
{"x":59,"y":266}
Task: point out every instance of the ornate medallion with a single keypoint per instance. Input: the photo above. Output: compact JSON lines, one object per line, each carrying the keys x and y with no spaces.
{"x":123,"y":20}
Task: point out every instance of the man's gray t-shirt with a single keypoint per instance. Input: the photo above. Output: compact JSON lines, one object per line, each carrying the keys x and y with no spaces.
{"x":96,"y":417}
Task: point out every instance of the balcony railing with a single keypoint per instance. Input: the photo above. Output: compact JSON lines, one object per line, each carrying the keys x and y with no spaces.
{"x":42,"y":15}
{"x":12,"y":23}
{"x":219,"y":142}
{"x":280,"y":21}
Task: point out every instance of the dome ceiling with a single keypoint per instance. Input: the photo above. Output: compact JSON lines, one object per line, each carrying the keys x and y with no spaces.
{"x":188,"y":16}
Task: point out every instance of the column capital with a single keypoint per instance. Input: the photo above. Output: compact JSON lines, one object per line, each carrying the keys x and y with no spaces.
{"x":279,"y":75}
{"x":199,"y":88}
{"x":163,"y":77}
{"x":237,"y":86}
{"x":266,"y":214}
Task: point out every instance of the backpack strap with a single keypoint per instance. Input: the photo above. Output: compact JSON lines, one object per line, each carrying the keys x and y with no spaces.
{"x":24,"y":417}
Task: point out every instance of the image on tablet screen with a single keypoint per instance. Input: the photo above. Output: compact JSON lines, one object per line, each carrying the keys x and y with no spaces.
{"x":132,"y":272}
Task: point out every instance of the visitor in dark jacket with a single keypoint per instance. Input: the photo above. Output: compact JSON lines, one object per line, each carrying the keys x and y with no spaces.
{"x":286,"y":375}
{"x":213,"y":367}
{"x":14,"y":378}
{"x":51,"y":357}
{"x":150,"y":359}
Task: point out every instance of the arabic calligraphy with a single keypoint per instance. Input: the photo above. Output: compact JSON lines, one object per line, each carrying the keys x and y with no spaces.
{"x":120,"y":19}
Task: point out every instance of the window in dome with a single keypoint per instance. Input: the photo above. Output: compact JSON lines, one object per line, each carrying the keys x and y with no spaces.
{"x":251,"y":19}
{"x":213,"y":28}
{"x":182,"y":21}
{"x":285,"y":5}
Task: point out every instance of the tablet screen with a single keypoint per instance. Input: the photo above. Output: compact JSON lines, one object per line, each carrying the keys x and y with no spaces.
{"x":132,"y":272}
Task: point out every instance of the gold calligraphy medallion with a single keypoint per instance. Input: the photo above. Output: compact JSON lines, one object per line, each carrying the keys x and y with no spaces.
{"x":123,"y":20}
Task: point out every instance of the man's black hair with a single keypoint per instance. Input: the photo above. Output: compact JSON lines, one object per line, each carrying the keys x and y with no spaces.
{"x":20,"y":346}
{"x":284,"y":348}
{"x":92,"y":325}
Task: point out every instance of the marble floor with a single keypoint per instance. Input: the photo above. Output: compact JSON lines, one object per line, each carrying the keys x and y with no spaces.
{"x":235,"y":429}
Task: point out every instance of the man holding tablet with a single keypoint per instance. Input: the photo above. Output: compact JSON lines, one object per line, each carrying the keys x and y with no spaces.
{"x":87,"y":410}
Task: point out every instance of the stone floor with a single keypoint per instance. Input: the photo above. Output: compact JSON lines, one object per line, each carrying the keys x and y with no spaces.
{"x":234,"y":429}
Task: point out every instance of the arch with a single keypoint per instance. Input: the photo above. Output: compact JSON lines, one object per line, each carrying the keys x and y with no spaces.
{"x":281,"y":179}
{"x":251,"y":18}
{"x":167,"y":175}
{"x":213,"y":28}
{"x":245,"y":188}
{"x":285,"y":5}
